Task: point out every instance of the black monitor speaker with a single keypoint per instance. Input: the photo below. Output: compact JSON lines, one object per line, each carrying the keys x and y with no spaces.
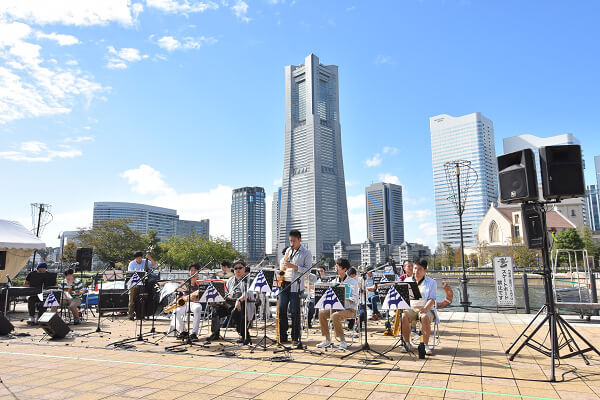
{"x":5,"y":326}
{"x":2,"y":260}
{"x":562,"y":172}
{"x":517,"y":176}
{"x":53,"y":325}
{"x":531,"y":218}
{"x":84,"y":258}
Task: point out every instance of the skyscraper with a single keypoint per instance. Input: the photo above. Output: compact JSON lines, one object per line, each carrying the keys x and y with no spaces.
{"x":185,"y":227}
{"x":385,"y":216}
{"x":313,"y":193}
{"x":248,"y":222}
{"x":275,"y":220}
{"x":469,"y":137}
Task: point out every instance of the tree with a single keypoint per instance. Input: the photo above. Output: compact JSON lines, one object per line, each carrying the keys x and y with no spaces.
{"x":113,"y":241}
{"x":522,"y":255}
{"x":182,"y":251}
{"x":446,"y":254}
{"x":589,"y":243}
{"x":568,"y":239}
{"x":69,"y":252}
{"x":483,"y":253}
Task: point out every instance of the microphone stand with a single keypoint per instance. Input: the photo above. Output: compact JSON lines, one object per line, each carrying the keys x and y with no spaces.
{"x":8,"y":285}
{"x":98,"y":328}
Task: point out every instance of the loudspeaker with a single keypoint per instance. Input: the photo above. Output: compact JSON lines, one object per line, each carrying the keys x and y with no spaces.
{"x":517,"y":176}
{"x":2,"y":260}
{"x":531,"y":218}
{"x":562,"y":172}
{"x":112,"y":300}
{"x":84,"y":258}
{"x":53,"y":325}
{"x":5,"y":326}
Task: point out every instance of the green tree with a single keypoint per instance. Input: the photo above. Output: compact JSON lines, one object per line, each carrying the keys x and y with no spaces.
{"x":69,"y":252}
{"x":483,"y":253}
{"x":589,"y":243}
{"x":568,"y":239}
{"x":113,"y":241}
{"x":446,"y":254}
{"x":184,"y":250}
{"x":522,"y":255}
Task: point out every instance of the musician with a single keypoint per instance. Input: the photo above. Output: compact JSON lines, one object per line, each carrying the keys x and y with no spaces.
{"x":239,"y":302}
{"x":408,"y":270}
{"x":422,"y":309}
{"x":137,"y":264}
{"x":74,"y":287}
{"x":295,"y":262}
{"x":350,"y":306}
{"x":178,"y":319}
{"x":372,"y":297}
{"x":226,"y":271}
{"x":33,"y":301}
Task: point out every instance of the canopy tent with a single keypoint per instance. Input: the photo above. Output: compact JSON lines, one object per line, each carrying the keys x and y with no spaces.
{"x":18,"y":243}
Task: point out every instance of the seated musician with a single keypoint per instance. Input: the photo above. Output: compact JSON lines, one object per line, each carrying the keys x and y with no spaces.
{"x":139,"y":264}
{"x":74,"y":287}
{"x":350,"y":306}
{"x":372,"y":297}
{"x":226,"y":271}
{"x":362,"y":308}
{"x":178,"y":319}
{"x":239,"y":303}
{"x":34,"y":302}
{"x":408,"y":270}
{"x":422,"y":309}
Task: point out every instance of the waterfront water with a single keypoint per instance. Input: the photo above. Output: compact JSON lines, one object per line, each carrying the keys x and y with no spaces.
{"x":482,"y":295}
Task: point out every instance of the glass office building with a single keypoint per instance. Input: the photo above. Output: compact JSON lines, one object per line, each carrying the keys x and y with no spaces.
{"x":313,"y":193}
{"x":248,"y":222}
{"x":469,"y":137}
{"x":385,"y":215}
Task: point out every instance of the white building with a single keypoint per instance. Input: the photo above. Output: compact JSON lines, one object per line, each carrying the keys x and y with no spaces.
{"x":469,"y":137}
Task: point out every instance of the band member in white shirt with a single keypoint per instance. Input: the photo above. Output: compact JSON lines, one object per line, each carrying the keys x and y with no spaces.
{"x":350,"y":306}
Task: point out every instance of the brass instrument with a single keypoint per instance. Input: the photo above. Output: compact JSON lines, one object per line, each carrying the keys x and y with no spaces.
{"x":396,"y":325}
{"x":179,"y":302}
{"x":282,"y":271}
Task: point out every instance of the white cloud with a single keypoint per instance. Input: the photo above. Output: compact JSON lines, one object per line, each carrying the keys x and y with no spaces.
{"x":418,"y":215}
{"x":428,"y":228}
{"x":380,"y":59}
{"x":72,"y":62}
{"x":389,"y":178}
{"x":147,"y":180}
{"x":215,"y":204}
{"x":392,"y":151}
{"x":169,"y":43}
{"x":358,"y":227}
{"x":268,"y":223}
{"x":36,"y":151}
{"x":68,"y":12}
{"x":356,"y":202}
{"x":119,"y":59}
{"x":240,"y":9}
{"x":374,"y":161}
{"x":79,"y":139}
{"x":181,"y":7}
{"x":62,"y":40}
{"x":31,"y":86}
{"x":277,"y":182}
{"x":351,"y":183}
{"x":351,"y":8}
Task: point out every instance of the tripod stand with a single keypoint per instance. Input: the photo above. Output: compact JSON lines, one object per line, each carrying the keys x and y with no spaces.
{"x":365,"y":347}
{"x":98,"y":328}
{"x":560,"y":331}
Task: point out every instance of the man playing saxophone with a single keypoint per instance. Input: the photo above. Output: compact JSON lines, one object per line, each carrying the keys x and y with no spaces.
{"x":295,"y":262}
{"x":178,"y":320}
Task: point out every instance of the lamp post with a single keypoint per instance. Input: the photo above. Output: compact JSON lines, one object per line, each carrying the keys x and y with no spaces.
{"x":464,"y":279}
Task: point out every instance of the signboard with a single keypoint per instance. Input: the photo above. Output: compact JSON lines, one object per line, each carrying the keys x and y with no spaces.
{"x":504,"y":281}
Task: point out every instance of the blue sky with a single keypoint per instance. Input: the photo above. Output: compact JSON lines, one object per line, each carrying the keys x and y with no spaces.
{"x":174,"y":103}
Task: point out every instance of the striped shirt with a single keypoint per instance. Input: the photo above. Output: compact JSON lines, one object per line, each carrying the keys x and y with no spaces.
{"x":73,"y":287}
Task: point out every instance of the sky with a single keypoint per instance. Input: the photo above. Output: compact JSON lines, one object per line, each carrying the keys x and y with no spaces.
{"x":176,"y":102}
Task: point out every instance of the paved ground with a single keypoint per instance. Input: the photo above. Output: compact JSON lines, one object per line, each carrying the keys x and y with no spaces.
{"x":469,"y":363}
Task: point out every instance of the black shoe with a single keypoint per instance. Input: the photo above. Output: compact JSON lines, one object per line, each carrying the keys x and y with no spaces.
{"x":248,"y":341}
{"x":284,"y":341}
{"x":183,"y":335}
{"x":193,"y":337}
{"x":213,"y":337}
{"x":131,"y":317}
{"x":76,"y":322}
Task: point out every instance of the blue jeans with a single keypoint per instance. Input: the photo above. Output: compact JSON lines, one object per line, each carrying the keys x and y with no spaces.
{"x":293,"y":300}
{"x":373,"y":304}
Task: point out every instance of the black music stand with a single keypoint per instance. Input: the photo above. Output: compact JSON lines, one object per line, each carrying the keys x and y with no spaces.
{"x":400,"y":342}
{"x":265,"y":342}
{"x":98,"y":327}
{"x":365,"y":347}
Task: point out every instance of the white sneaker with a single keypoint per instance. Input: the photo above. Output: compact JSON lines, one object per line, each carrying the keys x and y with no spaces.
{"x":343,"y":345}
{"x":407,"y":347}
{"x":324,"y":343}
{"x":427,"y":350}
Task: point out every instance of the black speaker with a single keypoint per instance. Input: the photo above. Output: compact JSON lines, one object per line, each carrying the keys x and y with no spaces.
{"x":53,"y":325}
{"x":2,"y":260}
{"x":84,"y":258}
{"x":562,"y":172}
{"x":112,"y":300}
{"x":5,"y":326}
{"x":531,"y":218}
{"x":517,"y":176}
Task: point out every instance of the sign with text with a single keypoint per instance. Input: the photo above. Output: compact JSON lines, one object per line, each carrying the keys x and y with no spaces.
{"x":504,"y":281}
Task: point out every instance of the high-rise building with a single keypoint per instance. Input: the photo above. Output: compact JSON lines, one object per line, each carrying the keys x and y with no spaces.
{"x":575,"y":209}
{"x":185,"y":227}
{"x":313,"y":193}
{"x":597,"y":165}
{"x":385,"y":215}
{"x":469,"y":137}
{"x":248,"y":222}
{"x":592,"y":198}
{"x":275,"y":220}
{"x":143,"y":217}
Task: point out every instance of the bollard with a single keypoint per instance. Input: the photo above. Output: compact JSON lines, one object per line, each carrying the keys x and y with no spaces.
{"x":593,"y":289}
{"x":526,"y":293}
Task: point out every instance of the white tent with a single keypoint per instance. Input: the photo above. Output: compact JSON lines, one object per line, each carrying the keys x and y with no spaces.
{"x":18,"y":243}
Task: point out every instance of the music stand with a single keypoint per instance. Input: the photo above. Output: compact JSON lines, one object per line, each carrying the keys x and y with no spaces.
{"x":405,"y":290}
{"x":98,"y":327}
{"x":265,"y":342}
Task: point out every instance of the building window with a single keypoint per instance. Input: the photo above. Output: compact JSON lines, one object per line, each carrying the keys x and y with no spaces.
{"x":573,"y":213}
{"x":517,"y":232}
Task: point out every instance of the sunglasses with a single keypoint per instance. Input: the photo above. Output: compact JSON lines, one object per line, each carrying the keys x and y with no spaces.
{"x":236,"y":268}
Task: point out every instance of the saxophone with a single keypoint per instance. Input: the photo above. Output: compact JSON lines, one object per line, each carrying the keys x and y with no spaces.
{"x":179,"y":302}
{"x":281,"y":278}
{"x":282,"y":271}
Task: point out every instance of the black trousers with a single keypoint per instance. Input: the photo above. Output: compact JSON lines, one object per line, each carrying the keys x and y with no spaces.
{"x":239,"y":319}
{"x":293,"y":300}
{"x":32,"y":302}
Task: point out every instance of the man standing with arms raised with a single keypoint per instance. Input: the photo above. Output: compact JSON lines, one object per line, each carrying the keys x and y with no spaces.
{"x":296,"y":261}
